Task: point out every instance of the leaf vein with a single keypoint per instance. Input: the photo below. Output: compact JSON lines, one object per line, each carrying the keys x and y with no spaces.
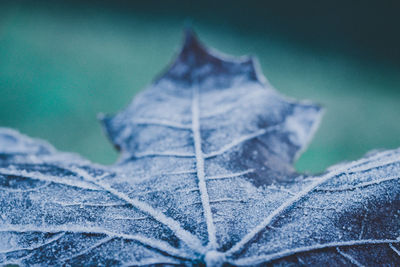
{"x":259,"y":228}
{"x":349,"y":257}
{"x":290,"y":252}
{"x":200,"y":169}
{"x":239,"y":141}
{"x":191,"y":240}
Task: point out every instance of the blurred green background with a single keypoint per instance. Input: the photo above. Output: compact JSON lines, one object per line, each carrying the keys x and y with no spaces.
{"x":61,"y":63}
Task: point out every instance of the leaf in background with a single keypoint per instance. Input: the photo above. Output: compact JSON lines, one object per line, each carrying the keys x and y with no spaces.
{"x":205,"y":177}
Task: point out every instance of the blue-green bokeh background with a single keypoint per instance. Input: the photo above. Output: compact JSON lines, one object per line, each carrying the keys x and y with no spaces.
{"x":62,"y":63}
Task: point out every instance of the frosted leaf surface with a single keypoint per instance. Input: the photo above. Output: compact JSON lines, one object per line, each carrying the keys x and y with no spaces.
{"x":205,"y":177}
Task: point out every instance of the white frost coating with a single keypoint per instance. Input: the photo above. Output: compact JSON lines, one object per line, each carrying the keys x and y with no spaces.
{"x":290,"y":252}
{"x":360,"y":236}
{"x":49,"y":241}
{"x":249,"y":95}
{"x":163,"y":154}
{"x":228,"y":176}
{"x":161,"y":123}
{"x":286,"y":190}
{"x":359,"y":185}
{"x":350,"y":258}
{"x":82,"y":204}
{"x":37,"y":188}
{"x":89,"y":249}
{"x":228,"y":200}
{"x":24,"y":145}
{"x":143,"y":176}
{"x":48,"y":178}
{"x":304,"y":137}
{"x":187,"y":237}
{"x":214,"y":258}
{"x":293,"y":123}
{"x":132,"y":219}
{"x":157,"y":244}
{"x":239,"y":245}
{"x":240,"y":141}
{"x":200,"y":170}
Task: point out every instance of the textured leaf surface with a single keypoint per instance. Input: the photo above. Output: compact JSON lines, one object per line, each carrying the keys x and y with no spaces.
{"x":205,"y":177}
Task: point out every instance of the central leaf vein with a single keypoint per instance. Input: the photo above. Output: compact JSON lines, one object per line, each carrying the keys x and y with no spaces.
{"x":205,"y":199}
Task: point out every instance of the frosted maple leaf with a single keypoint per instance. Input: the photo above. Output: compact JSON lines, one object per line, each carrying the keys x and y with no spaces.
{"x":205,"y":178}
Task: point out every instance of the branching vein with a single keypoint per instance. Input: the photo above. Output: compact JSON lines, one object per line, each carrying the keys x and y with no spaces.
{"x":49,"y":241}
{"x":230,"y":175}
{"x":153,"y":243}
{"x":71,"y":204}
{"x":48,"y":178}
{"x":238,"y":142}
{"x":162,"y":123}
{"x":349,"y":188}
{"x":191,"y":240}
{"x":349,"y":257}
{"x":394,"y":249}
{"x":248,"y":237}
{"x":163,"y":154}
{"x":289,"y":252}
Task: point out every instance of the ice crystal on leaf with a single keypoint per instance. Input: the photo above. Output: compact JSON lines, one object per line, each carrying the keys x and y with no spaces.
{"x":205,"y":177}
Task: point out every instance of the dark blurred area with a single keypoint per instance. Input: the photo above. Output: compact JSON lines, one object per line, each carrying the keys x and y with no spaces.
{"x":358,"y":28}
{"x":62,"y":62}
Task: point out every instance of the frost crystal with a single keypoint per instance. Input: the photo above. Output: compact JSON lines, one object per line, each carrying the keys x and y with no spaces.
{"x":205,"y":177}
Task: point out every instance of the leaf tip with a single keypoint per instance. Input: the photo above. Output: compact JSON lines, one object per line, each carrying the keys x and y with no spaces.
{"x":190,"y":37}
